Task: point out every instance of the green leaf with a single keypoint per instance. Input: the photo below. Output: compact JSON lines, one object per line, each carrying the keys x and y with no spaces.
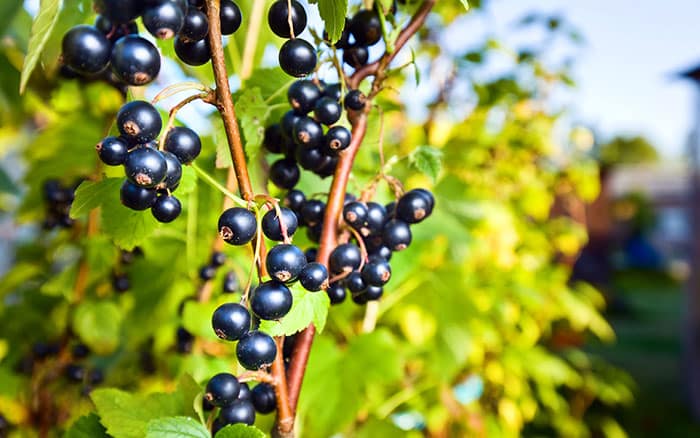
{"x":252,"y":113}
{"x":6,"y":183}
{"x":41,"y":31}
{"x":428,"y":160}
{"x":176,"y":427}
{"x":91,"y":194}
{"x":87,"y":426}
{"x":127,"y":228}
{"x":196,"y":318}
{"x":308,"y":307}
{"x":98,"y":324}
{"x":333,"y":14}
{"x":272,"y":82}
{"x":240,"y":431}
{"x":188,"y":181}
{"x":8,"y":10}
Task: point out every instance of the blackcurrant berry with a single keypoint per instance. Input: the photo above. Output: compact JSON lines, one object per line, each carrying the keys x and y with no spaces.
{"x":207,"y":272}
{"x":121,"y":283}
{"x":337,"y":139}
{"x":397,"y":235}
{"x":184,"y":143}
{"x":284,"y":262}
{"x":184,"y":341}
{"x":327,"y":110}
{"x":390,"y":210}
{"x":86,"y":50}
{"x":312,"y":211}
{"x":314,"y":277}
{"x":136,"y":197}
{"x":244,"y":393}
{"x":74,"y":373}
{"x":145,"y":166}
{"x":288,"y":121}
{"x":336,"y":293}
{"x":382,"y":251}
{"x":355,"y":100}
{"x":356,"y":56}
{"x":428,"y":195}
{"x":230,"y":321}
{"x":359,"y":298}
{"x":230,"y":17}
{"x":308,"y":133}
{"x":112,"y":150}
{"x":222,"y":389}
{"x":272,"y":226}
{"x":302,"y":95}
{"x":193,"y":53}
{"x":334,"y":91}
{"x":354,"y":282}
{"x":80,"y":351}
{"x":376,"y":218}
{"x":310,"y":158}
{"x":96,"y":376}
{"x":230,"y":282}
{"x":239,"y":412}
{"x":273,"y":140}
{"x":271,"y":300}
{"x":413,"y":207}
{"x":255,"y":350}
{"x":311,"y":254}
{"x":373,"y":293}
{"x":297,"y":57}
{"x":173,"y":172}
{"x":195,"y":26}
{"x":284,"y":173}
{"x":278,"y":18}
{"x":139,"y":122}
{"x":120,"y":11}
{"x":355,"y":214}
{"x":366,"y":27}
{"x":294,"y":200}
{"x":218,"y":258}
{"x":345,"y":258}
{"x":237,"y":226}
{"x":164,"y":20}
{"x":376,"y":273}
{"x":263,"y":397}
{"x":135,"y":60}
{"x":313,"y":233}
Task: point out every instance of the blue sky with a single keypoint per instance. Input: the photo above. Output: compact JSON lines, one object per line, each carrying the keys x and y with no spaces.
{"x":624,"y":70}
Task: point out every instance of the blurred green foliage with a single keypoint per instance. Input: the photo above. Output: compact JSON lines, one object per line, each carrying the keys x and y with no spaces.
{"x":479,"y":332}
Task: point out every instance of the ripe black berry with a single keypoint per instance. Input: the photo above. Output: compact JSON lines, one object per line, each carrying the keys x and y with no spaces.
{"x":218,"y":258}
{"x":121,"y":283}
{"x":294,"y":200}
{"x":96,"y":376}
{"x":195,"y":26}
{"x":308,"y":133}
{"x":336,"y":293}
{"x":312,"y":211}
{"x":207,"y":272}
{"x":278,"y":17}
{"x":345,"y":258}
{"x":112,"y":150}
{"x":145,"y":166}
{"x":272,"y":226}
{"x":373,"y":293}
{"x":137,"y":197}
{"x":414,"y":206}
{"x":284,"y":262}
{"x":193,"y":52}
{"x":230,"y":321}
{"x":139,"y":122}
{"x":390,"y":210}
{"x":239,"y":412}
{"x":184,"y":143}
{"x":135,"y":60}
{"x":230,"y":282}
{"x":302,"y":95}
{"x":397,"y":235}
{"x":271,"y":300}
{"x":376,"y":273}
{"x":237,"y":226}
{"x":86,"y":50}
{"x":256,"y":349}
{"x":297,"y":57}
{"x":273,"y":140}
{"x":314,"y":277}
{"x":376,"y":218}
{"x":263,"y":397}
{"x":382,"y":251}
{"x":80,"y":351}
{"x":310,"y":158}
{"x":284,"y":173}
{"x":333,"y":91}
{"x":119,"y":11}
{"x":359,"y":298}
{"x":366,"y":27}
{"x":355,"y":214}
{"x":355,"y":100}
{"x":74,"y":372}
{"x":354,"y":282}
{"x":184,"y":340}
{"x":311,"y":254}
{"x":356,"y":56}
{"x":244,"y":393}
{"x":337,"y":139}
{"x":166,"y":208}
{"x":164,"y":20}
{"x":230,"y":17}
{"x":173,"y":172}
{"x":222,"y":389}
{"x":327,"y":110}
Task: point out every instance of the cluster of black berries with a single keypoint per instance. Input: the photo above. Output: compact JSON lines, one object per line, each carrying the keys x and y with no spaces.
{"x":364,"y":29}
{"x":191,"y":42}
{"x":152,"y":175}
{"x":237,"y":403}
{"x":58,"y":202}
{"x":77,"y":372}
{"x":297,"y":57}
{"x":301,"y":135}
{"x":120,"y":280}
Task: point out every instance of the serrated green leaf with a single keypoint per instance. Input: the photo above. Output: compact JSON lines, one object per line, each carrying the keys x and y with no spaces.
{"x":91,"y":194}
{"x":188,"y":181}
{"x":252,"y":114}
{"x":98,"y":324}
{"x":176,"y":427}
{"x":240,"y":431}
{"x":127,"y":228}
{"x":308,"y":307}
{"x":333,"y":14}
{"x":427,"y":160}
{"x":272,"y":82}
{"x":42,"y":27}
{"x":87,"y":426}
